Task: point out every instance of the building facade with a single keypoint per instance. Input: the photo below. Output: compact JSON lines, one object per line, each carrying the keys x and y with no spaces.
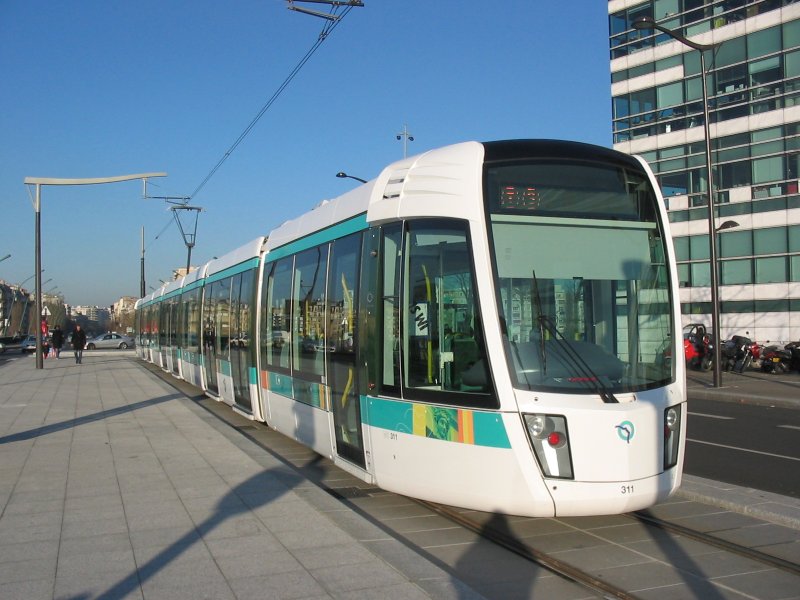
{"x":753,"y":83}
{"x":97,"y":316}
{"x":15,"y":310}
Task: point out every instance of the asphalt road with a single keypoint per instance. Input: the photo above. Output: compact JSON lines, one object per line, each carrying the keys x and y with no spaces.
{"x":746,"y":432}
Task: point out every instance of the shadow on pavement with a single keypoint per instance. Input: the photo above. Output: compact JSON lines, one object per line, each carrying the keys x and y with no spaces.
{"x":98,"y":416}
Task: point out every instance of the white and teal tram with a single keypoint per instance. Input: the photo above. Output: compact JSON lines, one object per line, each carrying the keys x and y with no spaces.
{"x":487,"y":325}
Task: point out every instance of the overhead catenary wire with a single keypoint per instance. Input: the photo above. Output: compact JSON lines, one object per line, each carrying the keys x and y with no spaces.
{"x":327,"y":29}
{"x":329,"y":26}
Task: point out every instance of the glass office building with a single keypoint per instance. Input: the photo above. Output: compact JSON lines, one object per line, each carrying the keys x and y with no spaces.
{"x":754,"y":119}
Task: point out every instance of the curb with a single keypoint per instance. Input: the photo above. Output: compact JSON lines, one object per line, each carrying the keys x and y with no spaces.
{"x":774,"y":508}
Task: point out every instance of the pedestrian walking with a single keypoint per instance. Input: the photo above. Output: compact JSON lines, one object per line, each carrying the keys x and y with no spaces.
{"x":57,"y":341}
{"x":78,"y":342}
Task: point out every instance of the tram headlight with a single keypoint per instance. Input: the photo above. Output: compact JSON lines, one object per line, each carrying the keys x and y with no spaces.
{"x":672,"y":435}
{"x":536,"y":425}
{"x":550,"y":442}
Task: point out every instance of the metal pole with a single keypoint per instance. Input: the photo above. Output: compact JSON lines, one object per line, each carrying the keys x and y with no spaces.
{"x":406,"y":138}
{"x":188,"y":259}
{"x":142,"y":287}
{"x":649,"y":23}
{"x":712,"y":234}
{"x":38,"y":252}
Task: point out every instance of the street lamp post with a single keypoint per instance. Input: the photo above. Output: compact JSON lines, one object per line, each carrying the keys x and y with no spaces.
{"x":649,"y":23}
{"x":142,"y":290}
{"x":19,"y":285}
{"x":343,"y":175}
{"x":37,"y":207}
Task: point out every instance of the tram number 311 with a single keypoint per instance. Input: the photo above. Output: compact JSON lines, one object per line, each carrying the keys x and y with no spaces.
{"x":626,"y":489}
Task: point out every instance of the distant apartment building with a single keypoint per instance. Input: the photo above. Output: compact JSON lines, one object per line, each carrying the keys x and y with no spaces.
{"x":94,"y":314}
{"x":754,"y":102}
{"x":124,"y":305}
{"x":122,"y":314}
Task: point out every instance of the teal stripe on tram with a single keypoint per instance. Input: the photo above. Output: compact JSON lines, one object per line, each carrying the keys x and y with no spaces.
{"x":234,"y":270}
{"x":225,"y":367}
{"x":252,"y":375}
{"x":281,"y":384}
{"x":389,"y":414}
{"x":194,"y":285}
{"x":358,"y":223}
{"x":489,"y":430}
{"x":463,"y":425}
{"x":172,"y":294}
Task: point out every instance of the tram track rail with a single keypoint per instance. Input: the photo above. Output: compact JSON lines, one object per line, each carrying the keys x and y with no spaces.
{"x":543,"y":559}
{"x":701,"y":536}
{"x":587,"y":579}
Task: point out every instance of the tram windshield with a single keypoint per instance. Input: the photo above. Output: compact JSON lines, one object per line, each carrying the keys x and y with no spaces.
{"x":582,"y":276}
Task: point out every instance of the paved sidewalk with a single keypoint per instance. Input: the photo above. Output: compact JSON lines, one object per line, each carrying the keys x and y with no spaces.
{"x":114,"y":485}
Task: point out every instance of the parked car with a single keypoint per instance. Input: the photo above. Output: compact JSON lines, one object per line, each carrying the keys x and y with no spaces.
{"x":698,"y":348}
{"x":28,"y":344}
{"x":110,"y":340}
{"x":10,"y":342}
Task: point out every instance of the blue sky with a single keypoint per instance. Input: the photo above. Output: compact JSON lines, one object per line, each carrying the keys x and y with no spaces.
{"x":95,"y":88}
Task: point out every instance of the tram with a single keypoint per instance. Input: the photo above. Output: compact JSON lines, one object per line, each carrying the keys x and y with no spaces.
{"x":485,"y":325}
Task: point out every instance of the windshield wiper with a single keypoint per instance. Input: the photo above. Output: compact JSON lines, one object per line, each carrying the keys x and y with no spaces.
{"x":578,"y":363}
{"x":540,"y":318}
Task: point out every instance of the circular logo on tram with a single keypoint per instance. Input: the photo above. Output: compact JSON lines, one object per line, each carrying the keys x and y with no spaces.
{"x":625,"y":431}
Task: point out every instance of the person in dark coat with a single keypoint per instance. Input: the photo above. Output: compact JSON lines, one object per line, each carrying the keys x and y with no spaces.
{"x":78,"y":342}
{"x":57,"y":341}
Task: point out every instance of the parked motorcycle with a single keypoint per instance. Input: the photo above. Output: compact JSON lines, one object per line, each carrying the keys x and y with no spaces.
{"x":736,"y":354}
{"x":775,"y":359}
{"x":794,"y":348}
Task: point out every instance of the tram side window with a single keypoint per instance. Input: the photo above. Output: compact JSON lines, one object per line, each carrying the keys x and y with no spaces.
{"x":442,"y":336}
{"x":193,"y":320}
{"x":209,"y":326}
{"x":222,"y":296}
{"x":163,"y":323}
{"x":276,"y":325}
{"x":308,"y":312}
{"x":234,"y":339}
{"x":176,"y":335}
{"x":246,"y":315}
{"x":241,"y":358}
{"x":152,"y":325}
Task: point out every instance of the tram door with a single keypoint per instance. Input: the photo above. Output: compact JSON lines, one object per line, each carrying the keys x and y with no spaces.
{"x":341,"y":318}
{"x":210,"y":338}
